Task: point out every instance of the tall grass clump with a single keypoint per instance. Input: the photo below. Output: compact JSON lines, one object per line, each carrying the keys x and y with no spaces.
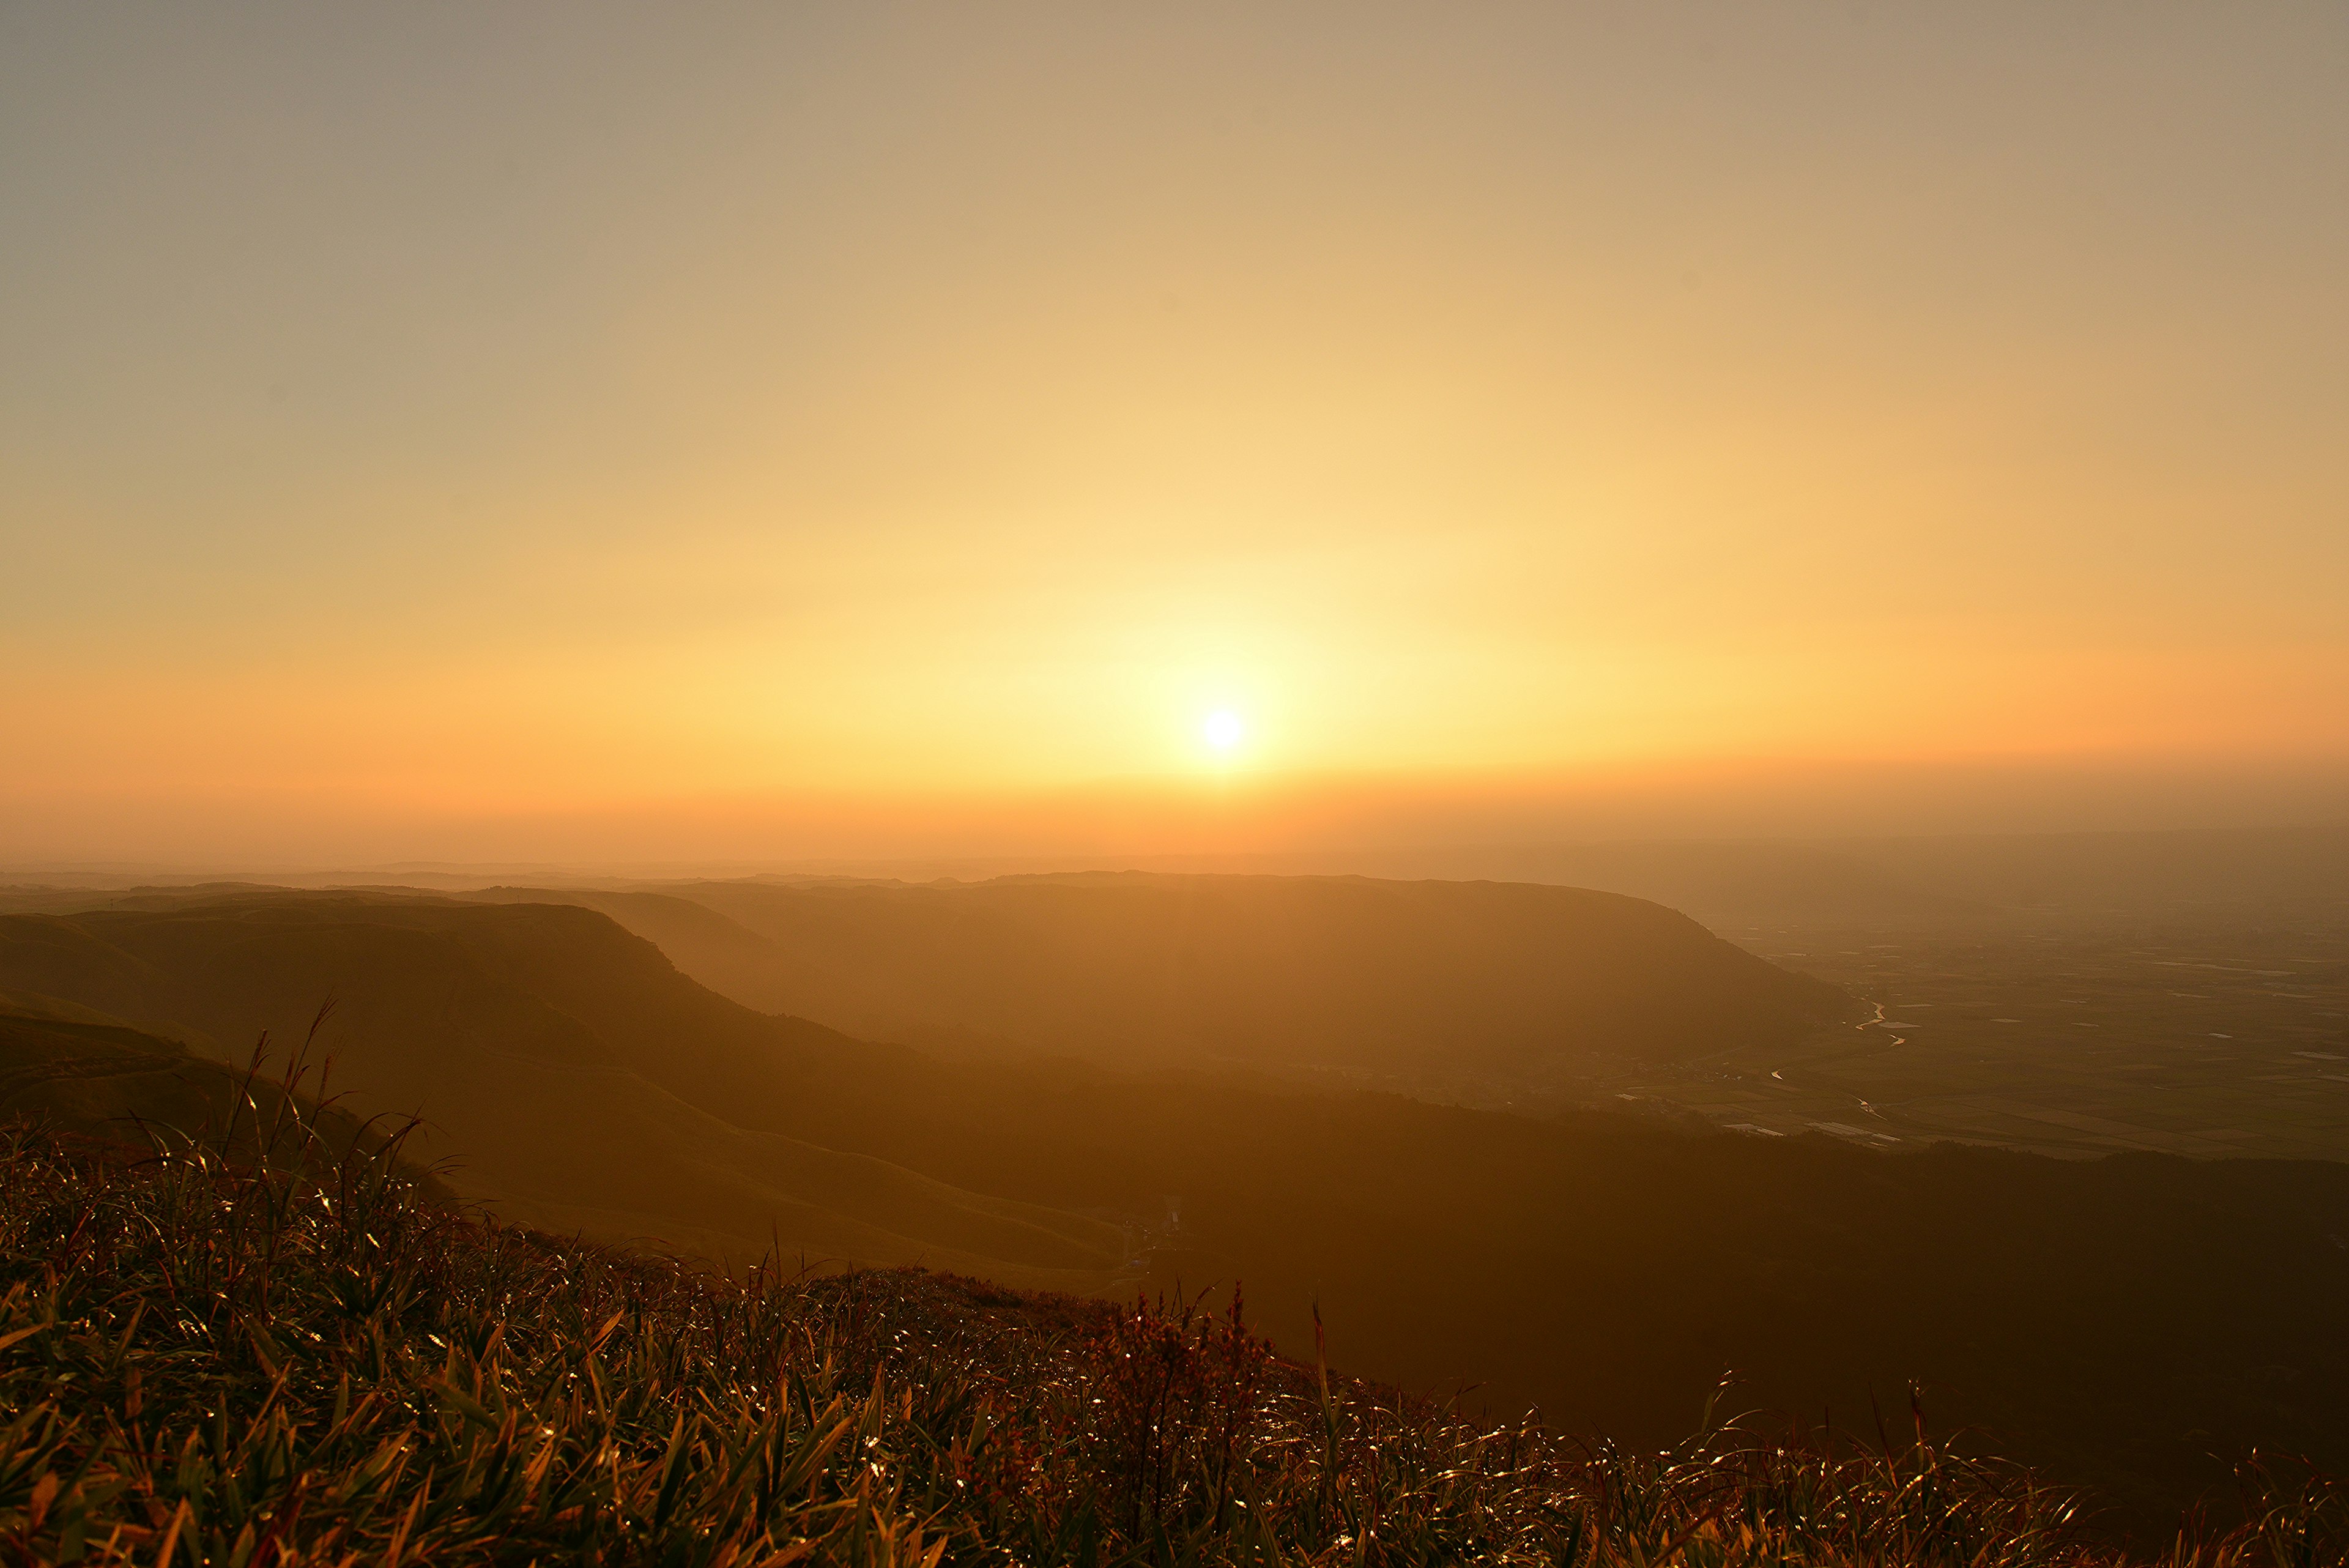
{"x":257,"y":1345}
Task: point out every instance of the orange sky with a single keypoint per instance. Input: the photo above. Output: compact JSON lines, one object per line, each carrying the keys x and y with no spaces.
{"x":459,"y":432}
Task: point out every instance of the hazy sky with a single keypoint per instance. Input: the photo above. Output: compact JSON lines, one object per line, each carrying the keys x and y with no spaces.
{"x":770,"y":430}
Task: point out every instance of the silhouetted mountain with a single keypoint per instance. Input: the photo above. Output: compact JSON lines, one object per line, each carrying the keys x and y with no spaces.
{"x":1344,"y":972}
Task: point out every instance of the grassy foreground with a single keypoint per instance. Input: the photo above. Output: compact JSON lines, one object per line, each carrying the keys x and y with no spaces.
{"x":250,"y":1349}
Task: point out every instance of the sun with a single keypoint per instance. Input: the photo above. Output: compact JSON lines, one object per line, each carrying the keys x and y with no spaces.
{"x":1223,"y":729}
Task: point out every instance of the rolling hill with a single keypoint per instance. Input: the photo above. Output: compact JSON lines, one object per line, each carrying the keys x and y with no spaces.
{"x":1381,"y":979}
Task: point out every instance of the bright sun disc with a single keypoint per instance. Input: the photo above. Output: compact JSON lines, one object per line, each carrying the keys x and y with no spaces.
{"x":1221,"y":730}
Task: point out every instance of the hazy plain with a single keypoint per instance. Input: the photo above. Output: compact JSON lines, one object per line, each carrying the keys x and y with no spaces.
{"x":2208,"y":1037}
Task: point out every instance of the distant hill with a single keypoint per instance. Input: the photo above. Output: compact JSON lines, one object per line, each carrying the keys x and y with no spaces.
{"x":1375,"y":977}
{"x":1726,"y":884}
{"x":1946,"y":881}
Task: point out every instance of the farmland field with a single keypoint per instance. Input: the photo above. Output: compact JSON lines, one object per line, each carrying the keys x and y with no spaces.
{"x":2202,"y":1033}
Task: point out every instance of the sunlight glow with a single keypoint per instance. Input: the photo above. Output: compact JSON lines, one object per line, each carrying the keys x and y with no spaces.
{"x":1223,"y":729}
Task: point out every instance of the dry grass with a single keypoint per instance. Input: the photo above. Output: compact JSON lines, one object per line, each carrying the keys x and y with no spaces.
{"x":247,"y":1348}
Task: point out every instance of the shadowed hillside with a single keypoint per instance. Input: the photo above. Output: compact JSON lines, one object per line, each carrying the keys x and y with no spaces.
{"x":2091,"y":1314}
{"x":74,"y":1070}
{"x":518,"y":1034}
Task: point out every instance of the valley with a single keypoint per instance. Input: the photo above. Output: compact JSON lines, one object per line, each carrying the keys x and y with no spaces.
{"x":1605,"y":1259}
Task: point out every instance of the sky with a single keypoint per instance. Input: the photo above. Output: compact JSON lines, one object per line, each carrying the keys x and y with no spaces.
{"x":746,"y":432}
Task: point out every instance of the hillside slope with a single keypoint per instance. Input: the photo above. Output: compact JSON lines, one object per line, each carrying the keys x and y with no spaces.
{"x":74,"y":1070}
{"x":517,"y":1035}
{"x":2092,"y":1316}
